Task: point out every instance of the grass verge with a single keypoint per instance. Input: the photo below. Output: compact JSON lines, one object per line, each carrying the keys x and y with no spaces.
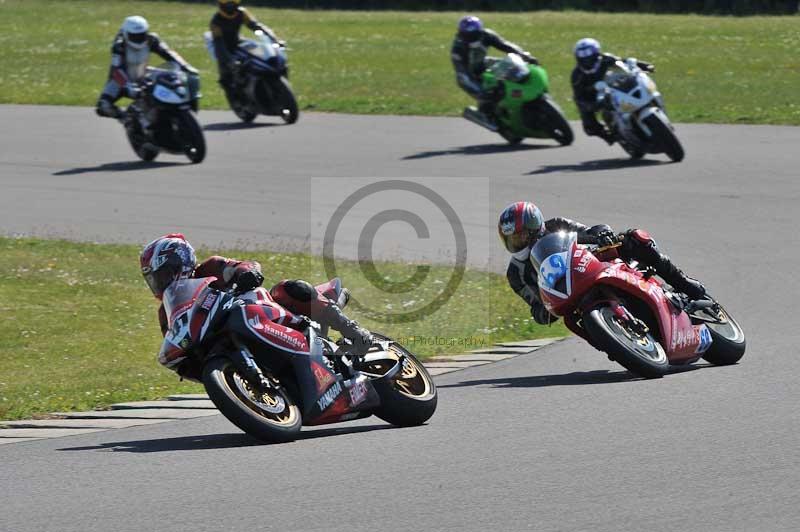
{"x":78,"y":327}
{"x":710,"y":68}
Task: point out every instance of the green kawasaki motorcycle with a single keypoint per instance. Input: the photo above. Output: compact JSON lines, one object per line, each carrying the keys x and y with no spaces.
{"x":524,"y":108}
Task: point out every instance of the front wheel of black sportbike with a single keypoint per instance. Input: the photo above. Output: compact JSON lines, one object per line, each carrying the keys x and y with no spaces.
{"x":727,"y":338}
{"x":636,"y":350}
{"x":271,"y":417}
{"x":191,"y":135}
{"x":285,"y":101}
{"x":409,"y":398}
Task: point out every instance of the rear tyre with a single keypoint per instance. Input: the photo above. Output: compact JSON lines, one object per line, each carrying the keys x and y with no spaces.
{"x":664,"y":137}
{"x":136,"y":139}
{"x":192,"y":136}
{"x":270,"y":417}
{"x":286,"y":102}
{"x":409,"y":398}
{"x":727,"y":338}
{"x":245,"y":114}
{"x":639,"y":353}
{"x":557,"y":125}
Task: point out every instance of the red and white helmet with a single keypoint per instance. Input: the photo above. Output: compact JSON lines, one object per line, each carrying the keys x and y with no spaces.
{"x":166,"y":259}
{"x":520,"y":225}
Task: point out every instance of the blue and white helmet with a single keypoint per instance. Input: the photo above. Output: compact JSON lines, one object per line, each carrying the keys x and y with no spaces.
{"x":470,"y":28}
{"x":587,"y":54}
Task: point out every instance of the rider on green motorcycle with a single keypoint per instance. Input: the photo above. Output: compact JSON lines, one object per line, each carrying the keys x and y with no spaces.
{"x":469,"y":59}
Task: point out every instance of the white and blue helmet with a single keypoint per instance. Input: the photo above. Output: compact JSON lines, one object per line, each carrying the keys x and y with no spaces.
{"x":587,"y":54}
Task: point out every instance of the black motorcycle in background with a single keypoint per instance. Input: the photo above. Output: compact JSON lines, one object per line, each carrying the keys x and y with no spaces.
{"x":161,"y":117}
{"x":260,"y":79}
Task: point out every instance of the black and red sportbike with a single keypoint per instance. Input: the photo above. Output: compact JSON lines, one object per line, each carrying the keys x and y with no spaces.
{"x":269,"y":379}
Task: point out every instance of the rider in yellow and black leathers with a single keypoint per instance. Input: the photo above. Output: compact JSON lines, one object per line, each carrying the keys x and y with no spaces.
{"x":225,"y":26}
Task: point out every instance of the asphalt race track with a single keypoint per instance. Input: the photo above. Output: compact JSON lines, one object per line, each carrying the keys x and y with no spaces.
{"x":559,"y":440}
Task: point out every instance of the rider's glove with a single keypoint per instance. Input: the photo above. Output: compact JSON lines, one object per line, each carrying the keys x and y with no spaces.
{"x":132,"y":90}
{"x":248,"y":280}
{"x":649,"y":67}
{"x":606,"y":239}
{"x":528,"y":58}
{"x":541,"y":315}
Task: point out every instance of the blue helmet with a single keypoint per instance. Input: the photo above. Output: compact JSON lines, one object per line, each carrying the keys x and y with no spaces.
{"x":470,"y":28}
{"x":587,"y":54}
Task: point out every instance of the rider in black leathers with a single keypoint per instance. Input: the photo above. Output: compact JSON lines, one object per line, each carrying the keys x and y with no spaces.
{"x":468,"y":55}
{"x":521,"y":225}
{"x":591,"y":67}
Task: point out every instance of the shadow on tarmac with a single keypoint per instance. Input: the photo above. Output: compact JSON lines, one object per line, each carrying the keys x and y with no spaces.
{"x":566,"y":379}
{"x":126,"y":166}
{"x":235,"y":126}
{"x":593,"y":166}
{"x":479,"y":149}
{"x":214,"y":441}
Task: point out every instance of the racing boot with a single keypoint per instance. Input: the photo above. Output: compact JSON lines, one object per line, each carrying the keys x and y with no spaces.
{"x":639,"y":245}
{"x":486,"y":108}
{"x":360,"y":337}
{"x":106,"y":108}
{"x":679,"y":280}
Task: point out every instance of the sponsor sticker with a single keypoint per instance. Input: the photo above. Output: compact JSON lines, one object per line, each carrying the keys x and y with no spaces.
{"x":329,"y":396}
{"x":209,"y":301}
{"x":323,"y":377}
{"x":705,"y":340}
{"x":358,"y":393}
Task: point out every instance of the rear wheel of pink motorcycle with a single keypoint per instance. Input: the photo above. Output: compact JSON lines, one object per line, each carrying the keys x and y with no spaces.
{"x":727,"y":338}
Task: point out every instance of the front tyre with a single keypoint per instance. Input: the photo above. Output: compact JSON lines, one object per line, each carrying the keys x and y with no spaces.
{"x":635,"y":350}
{"x":556,"y":123}
{"x":285,"y":101}
{"x":270,"y":417}
{"x":664,"y":137}
{"x":409,"y":398}
{"x":191,"y":135}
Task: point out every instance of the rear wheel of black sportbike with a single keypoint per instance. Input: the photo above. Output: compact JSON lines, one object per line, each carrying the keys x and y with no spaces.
{"x":727,"y":338}
{"x":409,"y":398}
{"x":636,"y":350}
{"x":140,"y":147}
{"x":556,"y":123}
{"x":191,"y":135}
{"x":272,"y":416}
{"x":242,"y":112}
{"x":664,"y":136}
{"x":285,"y":101}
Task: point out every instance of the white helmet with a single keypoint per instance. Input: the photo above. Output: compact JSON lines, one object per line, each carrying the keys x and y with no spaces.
{"x":134,"y":31}
{"x":587,"y":54}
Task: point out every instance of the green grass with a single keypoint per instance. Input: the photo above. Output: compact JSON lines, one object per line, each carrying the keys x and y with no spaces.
{"x":78,"y":326}
{"x":711,"y":69}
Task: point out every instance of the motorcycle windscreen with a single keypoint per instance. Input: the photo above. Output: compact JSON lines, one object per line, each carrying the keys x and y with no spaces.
{"x":551,"y":256}
{"x":510,"y":68}
{"x":181,"y":295}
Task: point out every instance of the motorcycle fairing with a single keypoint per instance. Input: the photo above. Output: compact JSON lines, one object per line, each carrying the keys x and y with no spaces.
{"x":262,"y":321}
{"x":190,"y":306}
{"x":682,"y":341}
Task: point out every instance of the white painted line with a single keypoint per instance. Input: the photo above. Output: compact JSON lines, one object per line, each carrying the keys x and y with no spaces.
{"x":98,"y":423}
{"x":43,"y":433}
{"x":142,"y":413}
{"x":203,"y":404}
{"x":4,"y":441}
